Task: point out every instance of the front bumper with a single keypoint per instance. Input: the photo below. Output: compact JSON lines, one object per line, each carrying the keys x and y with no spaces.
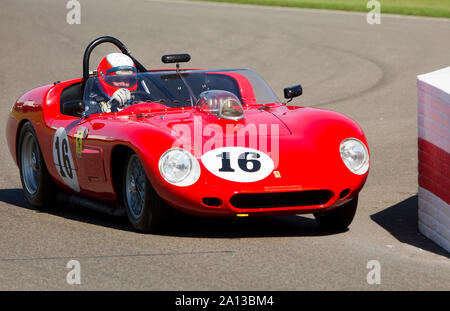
{"x":228,"y":200}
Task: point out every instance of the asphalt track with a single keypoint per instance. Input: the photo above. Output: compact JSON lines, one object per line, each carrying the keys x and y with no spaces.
{"x":365,"y":71}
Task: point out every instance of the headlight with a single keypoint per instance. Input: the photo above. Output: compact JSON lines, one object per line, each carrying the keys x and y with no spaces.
{"x":179,"y":167}
{"x":355,"y":155}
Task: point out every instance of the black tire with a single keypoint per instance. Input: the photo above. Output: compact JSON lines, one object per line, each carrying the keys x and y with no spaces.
{"x":41,"y":192}
{"x":152,"y":216}
{"x":339,"y":218}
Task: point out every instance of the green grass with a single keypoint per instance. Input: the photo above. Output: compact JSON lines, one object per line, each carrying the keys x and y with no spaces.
{"x":435,"y":8}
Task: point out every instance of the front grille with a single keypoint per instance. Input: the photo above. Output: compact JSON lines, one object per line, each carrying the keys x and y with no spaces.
{"x":280,"y":199}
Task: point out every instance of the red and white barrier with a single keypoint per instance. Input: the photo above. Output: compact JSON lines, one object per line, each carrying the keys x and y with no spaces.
{"x":434,"y":155}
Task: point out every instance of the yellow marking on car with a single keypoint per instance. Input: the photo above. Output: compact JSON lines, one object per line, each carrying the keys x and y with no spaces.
{"x":241,"y":215}
{"x":79,"y":136}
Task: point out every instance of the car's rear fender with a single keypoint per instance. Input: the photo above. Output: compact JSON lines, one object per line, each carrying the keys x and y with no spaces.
{"x":40,"y":107}
{"x":28,"y":108}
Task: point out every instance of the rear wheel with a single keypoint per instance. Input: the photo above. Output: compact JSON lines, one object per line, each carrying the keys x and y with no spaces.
{"x":339,"y":218}
{"x":145,"y":209}
{"x":37,"y":184}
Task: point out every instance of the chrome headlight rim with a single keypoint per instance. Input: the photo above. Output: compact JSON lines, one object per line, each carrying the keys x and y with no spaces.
{"x":364,"y":167}
{"x":191,"y":177}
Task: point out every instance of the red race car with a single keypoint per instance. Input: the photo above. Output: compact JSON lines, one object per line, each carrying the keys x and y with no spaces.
{"x":206,"y":142}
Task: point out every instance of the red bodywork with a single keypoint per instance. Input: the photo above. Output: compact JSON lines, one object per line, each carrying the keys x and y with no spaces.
{"x":309,"y":157}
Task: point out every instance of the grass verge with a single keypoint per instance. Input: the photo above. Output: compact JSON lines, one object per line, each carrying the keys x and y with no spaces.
{"x":434,"y":8}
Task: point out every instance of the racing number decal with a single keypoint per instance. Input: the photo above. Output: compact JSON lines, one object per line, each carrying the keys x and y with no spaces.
{"x":238,"y":164}
{"x":243,"y":162}
{"x":65,"y":164}
{"x":62,"y":157}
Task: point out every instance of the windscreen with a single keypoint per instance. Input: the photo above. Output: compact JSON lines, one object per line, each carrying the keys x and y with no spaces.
{"x":181,"y":89}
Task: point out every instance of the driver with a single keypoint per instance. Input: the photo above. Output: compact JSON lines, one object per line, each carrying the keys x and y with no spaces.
{"x":117,"y":77}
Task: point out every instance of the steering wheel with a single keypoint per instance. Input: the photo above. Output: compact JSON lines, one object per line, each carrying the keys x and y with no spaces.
{"x":97,"y":42}
{"x":142,"y":97}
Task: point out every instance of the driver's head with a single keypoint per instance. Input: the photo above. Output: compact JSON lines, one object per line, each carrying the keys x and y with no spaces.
{"x":116,"y":71}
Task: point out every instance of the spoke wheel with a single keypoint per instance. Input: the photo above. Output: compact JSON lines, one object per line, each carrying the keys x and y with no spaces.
{"x":145,"y":209}
{"x":30,"y":163}
{"x":339,"y":218}
{"x":38,"y":187}
{"x":135,"y":185}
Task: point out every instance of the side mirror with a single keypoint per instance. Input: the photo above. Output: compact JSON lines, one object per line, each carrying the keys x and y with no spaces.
{"x":73,"y":108}
{"x":293,"y":91}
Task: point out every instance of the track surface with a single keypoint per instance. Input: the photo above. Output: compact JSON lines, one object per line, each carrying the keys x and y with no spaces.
{"x":364,"y":71}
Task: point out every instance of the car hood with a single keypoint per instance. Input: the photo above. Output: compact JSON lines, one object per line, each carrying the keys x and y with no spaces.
{"x":287,"y":122}
{"x":255,"y":121}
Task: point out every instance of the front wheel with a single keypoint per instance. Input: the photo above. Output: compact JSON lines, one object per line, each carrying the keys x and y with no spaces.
{"x":339,"y":218}
{"x":145,"y":209}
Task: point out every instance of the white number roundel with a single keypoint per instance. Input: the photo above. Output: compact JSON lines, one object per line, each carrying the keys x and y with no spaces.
{"x":238,"y":164}
{"x":62,"y":157}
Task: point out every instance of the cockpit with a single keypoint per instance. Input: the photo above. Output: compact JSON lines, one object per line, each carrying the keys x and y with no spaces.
{"x":220,"y":92}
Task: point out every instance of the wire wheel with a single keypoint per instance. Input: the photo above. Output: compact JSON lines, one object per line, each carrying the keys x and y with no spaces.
{"x":30,"y":163}
{"x":135,"y":187}
{"x":145,"y":209}
{"x":339,"y":218}
{"x":38,"y":186}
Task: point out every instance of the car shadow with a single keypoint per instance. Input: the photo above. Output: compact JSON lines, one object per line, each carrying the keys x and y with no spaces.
{"x":77,"y":213}
{"x":401,"y":220}
{"x":183,"y":225}
{"x":262,"y":226}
